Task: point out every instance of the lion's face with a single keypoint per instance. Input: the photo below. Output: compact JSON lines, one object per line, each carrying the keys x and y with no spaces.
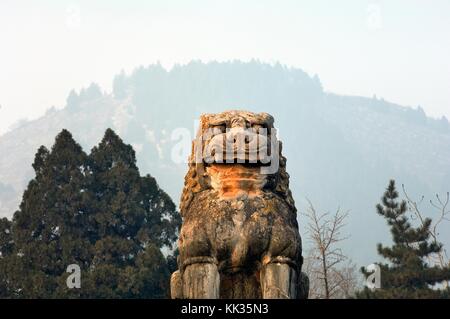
{"x":235,"y":153}
{"x":235,"y":137}
{"x":235,"y":146}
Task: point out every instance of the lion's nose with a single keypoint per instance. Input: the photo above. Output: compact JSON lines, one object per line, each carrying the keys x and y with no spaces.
{"x":238,"y":136}
{"x":238,"y":122}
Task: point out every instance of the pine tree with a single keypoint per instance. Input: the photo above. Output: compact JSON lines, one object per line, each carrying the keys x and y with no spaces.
{"x":407,"y":275}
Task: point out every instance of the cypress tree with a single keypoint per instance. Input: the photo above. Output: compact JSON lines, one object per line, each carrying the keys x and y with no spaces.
{"x":133,"y":219}
{"x":49,"y":229}
{"x":408,"y":275}
{"x":6,"y":247}
{"x":96,"y":212}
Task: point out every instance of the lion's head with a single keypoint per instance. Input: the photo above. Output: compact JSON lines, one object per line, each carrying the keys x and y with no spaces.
{"x":236,"y":153}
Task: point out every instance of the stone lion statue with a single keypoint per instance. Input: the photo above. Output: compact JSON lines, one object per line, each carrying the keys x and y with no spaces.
{"x":239,"y":237}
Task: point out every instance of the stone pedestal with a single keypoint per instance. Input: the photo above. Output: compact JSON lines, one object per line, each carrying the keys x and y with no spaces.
{"x":201,"y":281}
{"x":278,"y":281}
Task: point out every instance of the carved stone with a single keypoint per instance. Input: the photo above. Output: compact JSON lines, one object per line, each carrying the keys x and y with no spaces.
{"x":239,"y":237}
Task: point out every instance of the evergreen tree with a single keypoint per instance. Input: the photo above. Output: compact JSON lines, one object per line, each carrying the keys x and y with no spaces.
{"x":6,"y":247}
{"x":49,"y":229}
{"x":72,"y":101}
{"x":6,"y":242}
{"x":93,"y":211}
{"x":133,"y":218}
{"x":407,"y":275}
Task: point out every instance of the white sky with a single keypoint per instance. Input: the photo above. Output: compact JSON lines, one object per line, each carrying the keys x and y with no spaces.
{"x":398,"y":50}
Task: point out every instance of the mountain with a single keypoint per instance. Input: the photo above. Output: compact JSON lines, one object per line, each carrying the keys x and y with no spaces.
{"x":341,"y":150}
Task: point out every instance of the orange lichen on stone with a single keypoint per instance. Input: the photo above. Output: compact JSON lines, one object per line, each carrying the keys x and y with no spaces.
{"x":233,"y":180}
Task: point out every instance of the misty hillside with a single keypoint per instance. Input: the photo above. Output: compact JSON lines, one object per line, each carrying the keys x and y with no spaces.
{"x":341,"y":150}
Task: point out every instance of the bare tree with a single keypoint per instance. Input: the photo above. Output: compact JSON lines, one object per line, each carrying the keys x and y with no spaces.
{"x":442,"y":208}
{"x":331,"y":273}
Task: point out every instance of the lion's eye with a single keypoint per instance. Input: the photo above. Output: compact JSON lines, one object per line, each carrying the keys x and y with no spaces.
{"x":259,"y":128}
{"x":219,"y":129}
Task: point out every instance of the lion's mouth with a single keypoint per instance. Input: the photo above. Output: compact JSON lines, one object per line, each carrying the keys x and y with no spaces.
{"x":233,"y":180}
{"x":233,"y":162}
{"x":238,"y":147}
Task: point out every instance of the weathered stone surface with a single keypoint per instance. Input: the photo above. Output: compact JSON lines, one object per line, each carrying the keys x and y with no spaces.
{"x":279,"y":281}
{"x":303,"y":286}
{"x":239,"y":237}
{"x":201,"y":281}
{"x":176,"y":285}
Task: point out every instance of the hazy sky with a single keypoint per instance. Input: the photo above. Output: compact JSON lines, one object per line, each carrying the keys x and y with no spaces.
{"x":398,"y":50}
